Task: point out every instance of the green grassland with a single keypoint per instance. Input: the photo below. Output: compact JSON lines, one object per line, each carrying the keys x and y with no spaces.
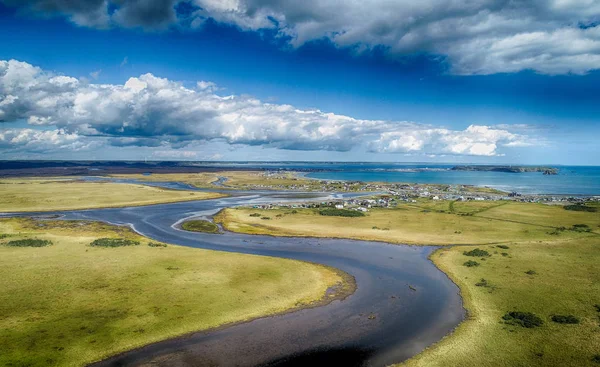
{"x":532,"y":266}
{"x":31,"y":195}
{"x":69,"y":303}
{"x":200,"y":226}
{"x":423,"y":223}
{"x":565,"y":281}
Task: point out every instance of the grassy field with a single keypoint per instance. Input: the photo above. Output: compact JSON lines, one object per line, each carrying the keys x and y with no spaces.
{"x":29,"y":195}
{"x":423,"y":223}
{"x":566,"y":282}
{"x":200,"y":226}
{"x":235,"y":179}
{"x":533,"y":266}
{"x":69,"y":303}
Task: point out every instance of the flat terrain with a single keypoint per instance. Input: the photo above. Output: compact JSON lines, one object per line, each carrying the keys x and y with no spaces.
{"x":32,"y":195}
{"x":71,"y":303}
{"x":566,"y":282}
{"x":423,"y":223}
{"x":542,"y":259}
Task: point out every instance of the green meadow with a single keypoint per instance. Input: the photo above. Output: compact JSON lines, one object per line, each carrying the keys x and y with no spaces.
{"x":74,"y":292}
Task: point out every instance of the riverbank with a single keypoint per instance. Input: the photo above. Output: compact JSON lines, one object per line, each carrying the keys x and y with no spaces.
{"x":71,"y":303}
{"x":52,"y":194}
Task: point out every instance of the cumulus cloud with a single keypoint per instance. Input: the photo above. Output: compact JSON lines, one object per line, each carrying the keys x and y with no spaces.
{"x":37,"y":141}
{"x":156,"y":112}
{"x":476,"y":36}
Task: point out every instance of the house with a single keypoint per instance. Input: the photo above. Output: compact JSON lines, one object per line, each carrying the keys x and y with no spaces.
{"x":436,"y":198}
{"x":339,"y":206}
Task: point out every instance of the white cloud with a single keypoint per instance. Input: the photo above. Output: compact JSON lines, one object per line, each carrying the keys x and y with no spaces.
{"x":156,"y":112}
{"x":478,"y":36}
{"x":31,"y":140}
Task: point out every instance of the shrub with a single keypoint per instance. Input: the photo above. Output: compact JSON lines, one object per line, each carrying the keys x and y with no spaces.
{"x":523,"y":319}
{"x":156,"y":244}
{"x":341,"y":212}
{"x":580,"y":228}
{"x":504,"y":254}
{"x":265,"y":218}
{"x":255,"y":215}
{"x":597,"y":307}
{"x":29,"y":242}
{"x":476,"y":253}
{"x":596,"y":358}
{"x":294,"y":211}
{"x":471,"y":263}
{"x":482,"y":283}
{"x":503,"y":247}
{"x":581,"y":208}
{"x":4,"y":235}
{"x":530,"y":272}
{"x":113,"y":242}
{"x":565,"y":319}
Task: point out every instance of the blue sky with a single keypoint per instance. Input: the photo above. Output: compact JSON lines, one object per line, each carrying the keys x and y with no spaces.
{"x":391,"y":102}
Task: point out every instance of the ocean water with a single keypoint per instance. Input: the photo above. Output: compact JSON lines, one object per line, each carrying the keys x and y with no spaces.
{"x":571,"y":180}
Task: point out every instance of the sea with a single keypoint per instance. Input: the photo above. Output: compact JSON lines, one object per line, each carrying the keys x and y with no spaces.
{"x":570,"y":180}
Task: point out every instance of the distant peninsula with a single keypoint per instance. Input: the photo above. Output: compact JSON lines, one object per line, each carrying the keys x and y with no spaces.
{"x":509,"y":169}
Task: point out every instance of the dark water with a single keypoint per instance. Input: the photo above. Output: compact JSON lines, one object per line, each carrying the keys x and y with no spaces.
{"x":341,"y":333}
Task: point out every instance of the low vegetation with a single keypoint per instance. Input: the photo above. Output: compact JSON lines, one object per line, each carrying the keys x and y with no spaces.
{"x":581,"y":208}
{"x":29,"y":242}
{"x":565,"y":319}
{"x":524,"y":319}
{"x":476,"y":253}
{"x":36,"y":195}
{"x":113,"y":242}
{"x":471,"y":263}
{"x":71,"y":304}
{"x":200,"y":226}
{"x":332,"y":212}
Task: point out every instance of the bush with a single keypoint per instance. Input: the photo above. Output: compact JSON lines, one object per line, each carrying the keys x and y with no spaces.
{"x":476,"y":253}
{"x":113,"y":242}
{"x":255,"y":215}
{"x":530,"y":272}
{"x":504,"y":254}
{"x":471,"y":263}
{"x":503,"y":247}
{"x":29,"y":242}
{"x":4,"y":235}
{"x":580,"y":228}
{"x":581,"y":208}
{"x":596,"y":358}
{"x":482,"y":283}
{"x":523,"y":319}
{"x":341,"y":212}
{"x":565,"y":319}
{"x":597,"y":307}
{"x":156,"y":244}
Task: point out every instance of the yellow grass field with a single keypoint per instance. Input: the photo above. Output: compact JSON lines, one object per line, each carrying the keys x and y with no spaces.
{"x":32,"y":195}
{"x":69,"y":304}
{"x":420,"y":224}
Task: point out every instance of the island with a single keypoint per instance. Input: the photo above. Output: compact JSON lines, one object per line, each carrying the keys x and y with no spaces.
{"x":508,"y":169}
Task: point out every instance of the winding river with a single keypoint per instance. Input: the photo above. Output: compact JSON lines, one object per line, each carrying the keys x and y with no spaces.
{"x":402,"y":303}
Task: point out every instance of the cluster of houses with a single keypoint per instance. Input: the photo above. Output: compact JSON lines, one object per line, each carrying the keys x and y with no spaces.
{"x":395,"y":192}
